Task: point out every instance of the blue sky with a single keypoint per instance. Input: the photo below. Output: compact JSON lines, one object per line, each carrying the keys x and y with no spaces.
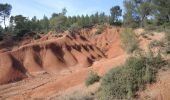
{"x":39,"y":8}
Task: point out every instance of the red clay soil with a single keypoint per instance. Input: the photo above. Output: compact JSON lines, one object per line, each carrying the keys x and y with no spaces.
{"x":53,"y":64}
{"x":108,"y":42}
{"x":73,"y":79}
{"x":40,"y":89}
{"x":50,"y":56}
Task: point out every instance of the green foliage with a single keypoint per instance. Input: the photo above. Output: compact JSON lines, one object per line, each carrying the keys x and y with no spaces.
{"x":100,"y":29}
{"x":116,"y":12}
{"x":161,"y":10}
{"x":1,"y":33}
{"x":156,"y":43}
{"x":150,"y":14}
{"x":21,"y":25}
{"x":167,"y":34}
{"x":139,"y":12}
{"x":92,"y":78}
{"x":5,"y":11}
{"x":150,"y":26}
{"x":144,"y":9}
{"x":166,"y":47}
{"x":44,"y":24}
{"x":57,"y":23}
{"x":129,"y":40}
{"x":36,"y":36}
{"x":60,"y":22}
{"x":124,"y":81}
{"x":74,"y":28}
{"x":130,"y":18}
{"x":88,"y":21}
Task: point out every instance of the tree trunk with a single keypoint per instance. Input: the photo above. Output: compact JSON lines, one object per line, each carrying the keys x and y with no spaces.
{"x":142,"y":21}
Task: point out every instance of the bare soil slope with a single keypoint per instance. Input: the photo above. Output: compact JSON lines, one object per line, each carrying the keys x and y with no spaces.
{"x":108,"y":42}
{"x":57,"y":63}
{"x":49,"y":56}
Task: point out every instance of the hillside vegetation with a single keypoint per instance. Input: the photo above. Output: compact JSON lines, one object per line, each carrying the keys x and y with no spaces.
{"x":149,"y":14}
{"x":124,"y":81}
{"x":56,"y":53}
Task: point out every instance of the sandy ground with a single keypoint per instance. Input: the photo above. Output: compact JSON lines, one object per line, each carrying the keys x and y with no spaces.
{"x":159,"y":90}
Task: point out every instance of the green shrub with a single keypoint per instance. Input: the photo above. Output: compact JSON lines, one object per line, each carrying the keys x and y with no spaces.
{"x":129,"y":40}
{"x":156,"y":43}
{"x":124,"y":81}
{"x":1,"y":33}
{"x":1,"y":37}
{"x":167,"y":34}
{"x":74,"y":28}
{"x":166,"y":25}
{"x":36,"y":36}
{"x":167,"y":50}
{"x":153,"y":27}
{"x":150,"y":27}
{"x":100,"y":29}
{"x":92,"y":78}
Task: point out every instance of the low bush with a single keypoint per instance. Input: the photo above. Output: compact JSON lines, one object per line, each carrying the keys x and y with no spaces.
{"x":36,"y":36}
{"x":150,"y":27}
{"x":124,"y":81}
{"x":1,"y":33}
{"x":100,"y":29}
{"x":156,"y":43}
{"x":129,"y":40}
{"x":167,"y":34}
{"x":74,"y":28}
{"x":1,"y":37}
{"x":157,"y":28}
{"x":92,"y":78}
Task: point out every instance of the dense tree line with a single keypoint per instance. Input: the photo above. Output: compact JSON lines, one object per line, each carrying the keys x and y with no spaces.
{"x":59,"y":22}
{"x":138,"y":13}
